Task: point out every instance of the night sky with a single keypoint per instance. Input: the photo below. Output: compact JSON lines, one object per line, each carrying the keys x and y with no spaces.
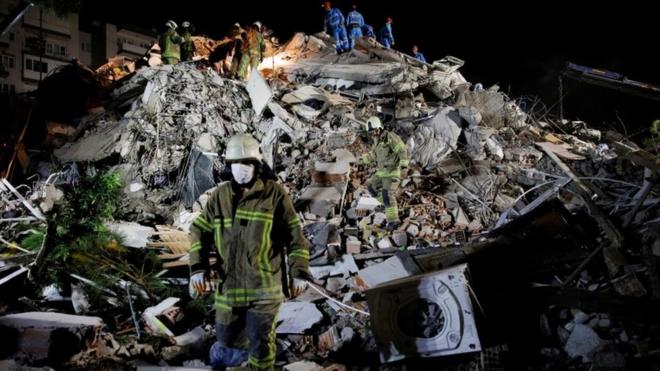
{"x":522,"y":47}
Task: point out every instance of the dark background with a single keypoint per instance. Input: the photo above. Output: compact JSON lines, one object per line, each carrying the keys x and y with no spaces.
{"x":522,"y":47}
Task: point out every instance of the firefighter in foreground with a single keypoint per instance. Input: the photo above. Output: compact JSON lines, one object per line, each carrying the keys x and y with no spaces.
{"x":390,"y":154}
{"x":251,"y":223}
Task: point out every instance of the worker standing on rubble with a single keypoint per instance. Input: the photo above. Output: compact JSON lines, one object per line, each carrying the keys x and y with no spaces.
{"x":256,"y":44}
{"x":187,"y":46}
{"x":241,"y":58}
{"x":334,"y":25}
{"x":390,"y":154}
{"x":169,"y":44}
{"x":354,"y":22}
{"x":386,"y":35}
{"x":236,"y":55}
{"x":249,"y":221}
{"x":417,"y":54}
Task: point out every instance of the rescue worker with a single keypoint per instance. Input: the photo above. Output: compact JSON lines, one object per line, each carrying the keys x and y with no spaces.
{"x":251,"y":223}
{"x":169,"y":44}
{"x":390,"y":155}
{"x":417,"y":54}
{"x":187,"y":46}
{"x":386,"y":35}
{"x":334,"y":25}
{"x":236,"y":32}
{"x":241,"y":57}
{"x":368,"y":31}
{"x":257,"y":45}
{"x":354,"y":23}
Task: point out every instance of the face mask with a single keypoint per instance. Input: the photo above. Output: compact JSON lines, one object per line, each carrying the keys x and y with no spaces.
{"x":242,"y":173}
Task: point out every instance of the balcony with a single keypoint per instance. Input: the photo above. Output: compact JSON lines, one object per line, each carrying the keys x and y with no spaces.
{"x":132,"y":49}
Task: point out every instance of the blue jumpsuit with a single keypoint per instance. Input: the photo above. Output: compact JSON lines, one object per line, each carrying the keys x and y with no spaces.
{"x":368,"y":31}
{"x":420,"y":56}
{"x":354,"y":22}
{"x":386,"y":36}
{"x":334,"y":25}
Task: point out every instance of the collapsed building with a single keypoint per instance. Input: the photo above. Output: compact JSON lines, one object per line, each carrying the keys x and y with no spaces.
{"x":526,"y":241}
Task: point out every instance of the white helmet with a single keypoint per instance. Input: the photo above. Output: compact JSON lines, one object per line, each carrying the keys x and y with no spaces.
{"x":374,"y":123}
{"x":258,"y":24}
{"x":185,"y":24}
{"x":242,"y":147}
{"x":171,"y":24}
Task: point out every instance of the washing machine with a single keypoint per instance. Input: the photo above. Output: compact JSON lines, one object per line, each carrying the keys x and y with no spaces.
{"x":426,"y":315}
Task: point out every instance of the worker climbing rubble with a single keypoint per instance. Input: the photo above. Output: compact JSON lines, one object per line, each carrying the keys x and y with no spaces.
{"x":251,"y":222}
{"x":390,"y":155}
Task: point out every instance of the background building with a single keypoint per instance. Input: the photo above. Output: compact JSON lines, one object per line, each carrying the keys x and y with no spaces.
{"x":41,"y":41}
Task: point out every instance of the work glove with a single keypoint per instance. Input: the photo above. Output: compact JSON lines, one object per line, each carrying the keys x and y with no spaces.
{"x":197,"y":285}
{"x":297,"y":286}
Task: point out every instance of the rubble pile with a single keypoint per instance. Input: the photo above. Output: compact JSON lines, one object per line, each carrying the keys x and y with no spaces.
{"x":555,"y":220}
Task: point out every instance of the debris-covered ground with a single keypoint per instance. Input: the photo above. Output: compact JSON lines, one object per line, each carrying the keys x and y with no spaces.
{"x":527,"y":242}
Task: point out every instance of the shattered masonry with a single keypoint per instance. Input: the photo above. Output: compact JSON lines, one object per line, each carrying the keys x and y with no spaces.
{"x":552,"y":208}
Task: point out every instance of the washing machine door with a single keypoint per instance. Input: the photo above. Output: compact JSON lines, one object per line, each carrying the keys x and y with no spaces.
{"x":425,"y":316}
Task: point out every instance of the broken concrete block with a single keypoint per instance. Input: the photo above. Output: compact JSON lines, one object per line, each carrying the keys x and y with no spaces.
{"x":344,"y":155}
{"x":367,"y":203}
{"x":385,"y":243}
{"x":400,"y":238}
{"x":303,"y":366}
{"x":583,"y":342}
{"x":133,"y":234}
{"x":56,"y":336}
{"x":339,"y":167}
{"x":391,"y":269}
{"x":412,"y":230}
{"x":207,"y":143}
{"x":335,"y":284}
{"x":353,"y":245}
{"x":344,"y":266}
{"x":297,"y":317}
{"x":196,"y":336}
{"x":379,"y":219}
